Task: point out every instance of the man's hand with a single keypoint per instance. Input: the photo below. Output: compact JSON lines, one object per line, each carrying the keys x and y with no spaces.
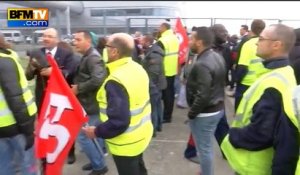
{"x":89,"y":131}
{"x":74,"y":88}
{"x":46,"y":71}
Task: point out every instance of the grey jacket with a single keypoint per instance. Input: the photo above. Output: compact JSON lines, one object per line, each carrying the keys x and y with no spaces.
{"x":89,"y":77}
{"x":153,"y":64}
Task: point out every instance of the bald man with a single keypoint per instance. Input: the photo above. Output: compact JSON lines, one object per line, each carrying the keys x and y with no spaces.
{"x":125,"y":109}
{"x":63,"y":58}
{"x":39,"y":67}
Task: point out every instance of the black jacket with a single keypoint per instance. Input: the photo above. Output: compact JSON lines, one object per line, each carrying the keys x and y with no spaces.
{"x":224,"y":50}
{"x":295,"y":60}
{"x":89,"y":77}
{"x":205,"y":84}
{"x":12,"y":91}
{"x":64,"y":60}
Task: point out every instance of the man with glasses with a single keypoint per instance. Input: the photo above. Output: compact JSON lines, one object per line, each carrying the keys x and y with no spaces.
{"x":38,"y":66}
{"x":125,"y":109}
{"x":264,"y":138}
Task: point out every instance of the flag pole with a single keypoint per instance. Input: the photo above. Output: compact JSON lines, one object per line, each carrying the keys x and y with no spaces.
{"x":95,"y":141}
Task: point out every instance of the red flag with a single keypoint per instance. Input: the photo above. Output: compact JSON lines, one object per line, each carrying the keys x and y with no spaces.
{"x":59,"y":121}
{"x":183,"y":40}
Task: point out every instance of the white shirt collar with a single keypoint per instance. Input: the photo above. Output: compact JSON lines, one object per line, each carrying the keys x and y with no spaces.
{"x":53,"y":51}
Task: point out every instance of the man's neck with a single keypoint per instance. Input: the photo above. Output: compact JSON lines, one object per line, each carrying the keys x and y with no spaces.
{"x":201,"y":50}
{"x":86,"y":50}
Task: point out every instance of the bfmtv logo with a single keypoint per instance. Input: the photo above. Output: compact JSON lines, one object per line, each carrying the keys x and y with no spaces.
{"x":27,"y":17}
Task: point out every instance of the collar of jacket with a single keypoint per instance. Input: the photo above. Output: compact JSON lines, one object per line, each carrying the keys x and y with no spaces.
{"x":112,"y":66}
{"x":202,"y":53}
{"x":5,"y":51}
{"x":167,"y":32}
{"x":88,"y":52}
{"x":276,"y":63}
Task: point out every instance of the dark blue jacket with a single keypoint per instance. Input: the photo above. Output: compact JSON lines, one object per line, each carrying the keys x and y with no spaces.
{"x":270,"y":127}
{"x":117,"y":111}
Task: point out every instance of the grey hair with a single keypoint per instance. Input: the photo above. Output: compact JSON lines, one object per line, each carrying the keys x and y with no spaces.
{"x":285,"y":34}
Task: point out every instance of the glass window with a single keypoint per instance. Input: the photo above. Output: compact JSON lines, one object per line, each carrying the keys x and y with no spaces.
{"x":163,"y":12}
{"x":7,"y":34}
{"x":133,"y":12}
{"x":97,"y":12}
{"x":116,"y":12}
{"x":147,"y":12}
{"x":16,"y":34}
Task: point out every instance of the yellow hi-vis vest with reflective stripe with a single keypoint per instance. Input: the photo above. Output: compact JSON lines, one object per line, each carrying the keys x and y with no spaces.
{"x":246,"y":162}
{"x":136,"y":82}
{"x":105,"y":55}
{"x":171,"y":45}
{"x":6,"y":115}
{"x":248,"y":58}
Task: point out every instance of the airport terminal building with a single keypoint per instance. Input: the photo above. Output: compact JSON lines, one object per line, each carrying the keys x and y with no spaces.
{"x":101,"y":17}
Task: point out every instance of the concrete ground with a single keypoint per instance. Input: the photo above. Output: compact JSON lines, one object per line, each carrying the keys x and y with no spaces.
{"x":164,"y":156}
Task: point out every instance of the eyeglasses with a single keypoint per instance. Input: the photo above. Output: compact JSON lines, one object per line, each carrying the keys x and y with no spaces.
{"x":266,"y":39}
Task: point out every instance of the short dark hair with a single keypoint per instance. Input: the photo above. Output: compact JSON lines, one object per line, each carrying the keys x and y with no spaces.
{"x":65,"y":46}
{"x":194,"y":28}
{"x":257,"y":26}
{"x":285,"y":34}
{"x":149,"y":37}
{"x":206,"y":35}
{"x":245,"y":27}
{"x":86,"y":34}
{"x":167,"y":25}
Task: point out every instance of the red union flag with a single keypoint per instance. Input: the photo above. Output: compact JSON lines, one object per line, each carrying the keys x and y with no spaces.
{"x":59,"y":121}
{"x":183,"y":40}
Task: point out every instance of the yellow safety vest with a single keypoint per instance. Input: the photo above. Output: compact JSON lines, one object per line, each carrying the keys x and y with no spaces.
{"x":105,"y":55}
{"x":6,"y":115}
{"x":136,"y":82}
{"x":171,"y":45}
{"x":247,"y":162}
{"x":248,"y":58}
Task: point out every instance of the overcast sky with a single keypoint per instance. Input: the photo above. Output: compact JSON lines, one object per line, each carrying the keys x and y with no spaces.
{"x":285,"y":10}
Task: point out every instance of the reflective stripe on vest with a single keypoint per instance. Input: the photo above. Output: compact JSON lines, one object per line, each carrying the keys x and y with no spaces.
{"x":135,"y":139}
{"x":248,"y":95}
{"x":259,"y":162}
{"x":171,"y":48}
{"x":7,"y":117}
{"x":171,"y":53}
{"x":4,"y":110}
{"x":132,"y":112}
{"x":254,"y":64}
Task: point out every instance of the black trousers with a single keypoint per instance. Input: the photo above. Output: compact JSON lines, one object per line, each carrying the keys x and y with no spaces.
{"x":168,"y":98}
{"x":72,"y":150}
{"x":130,"y":165}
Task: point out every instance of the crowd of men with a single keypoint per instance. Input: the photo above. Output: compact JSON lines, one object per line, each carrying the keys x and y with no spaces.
{"x":120,"y":82}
